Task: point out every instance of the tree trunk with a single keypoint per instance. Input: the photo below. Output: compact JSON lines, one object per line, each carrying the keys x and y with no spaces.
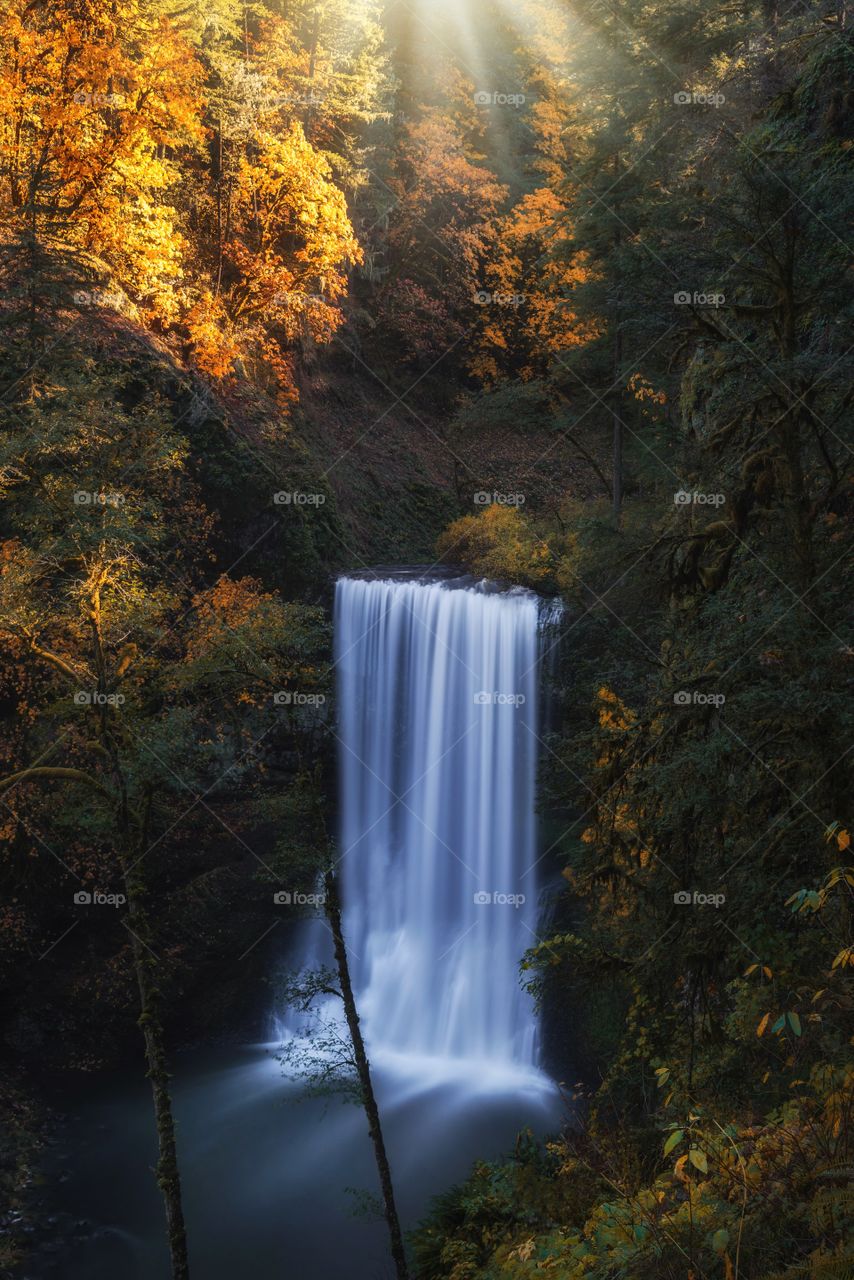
{"x":168,"y":1177}
{"x":616,"y":396}
{"x":133,"y":842}
{"x":333,"y":915}
{"x":617,"y":494}
{"x":308,"y":114}
{"x":135,"y":838}
{"x":794,"y":426}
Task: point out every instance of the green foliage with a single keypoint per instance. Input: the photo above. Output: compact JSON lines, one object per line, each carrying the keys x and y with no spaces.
{"x":525,"y":1195}
{"x":704,"y":683}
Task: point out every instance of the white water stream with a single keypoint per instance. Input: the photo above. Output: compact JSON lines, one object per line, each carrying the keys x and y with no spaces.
{"x":437,"y":707}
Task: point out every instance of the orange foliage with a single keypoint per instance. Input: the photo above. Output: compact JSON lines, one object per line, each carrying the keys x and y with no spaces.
{"x":528,"y":316}
{"x":103,"y":118}
{"x":444,"y":203}
{"x":230,"y":604}
{"x":92,"y":101}
{"x":286,"y":259}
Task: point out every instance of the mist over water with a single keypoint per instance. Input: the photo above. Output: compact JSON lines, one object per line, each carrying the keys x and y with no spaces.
{"x":437,"y":706}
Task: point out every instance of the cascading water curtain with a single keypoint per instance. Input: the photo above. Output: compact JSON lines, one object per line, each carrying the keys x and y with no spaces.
{"x":437,"y":702}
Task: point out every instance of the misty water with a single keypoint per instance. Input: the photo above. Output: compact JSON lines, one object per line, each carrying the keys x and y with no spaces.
{"x":438,"y":737}
{"x":437,"y":723}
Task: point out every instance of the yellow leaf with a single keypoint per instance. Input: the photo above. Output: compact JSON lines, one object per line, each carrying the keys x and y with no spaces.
{"x":760,"y":1030}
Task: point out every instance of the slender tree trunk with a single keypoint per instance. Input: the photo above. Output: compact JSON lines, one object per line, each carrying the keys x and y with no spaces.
{"x":308,"y":114}
{"x":792,"y":428}
{"x":333,"y":915}
{"x":134,"y":838}
{"x":617,"y":488}
{"x":616,"y":396}
{"x":168,"y":1176}
{"x":218,"y":159}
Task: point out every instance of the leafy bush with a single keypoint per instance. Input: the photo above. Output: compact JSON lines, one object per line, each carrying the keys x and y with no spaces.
{"x":498,"y":543}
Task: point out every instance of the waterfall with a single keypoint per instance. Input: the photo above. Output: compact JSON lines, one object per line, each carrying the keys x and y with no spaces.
{"x":437,"y":715}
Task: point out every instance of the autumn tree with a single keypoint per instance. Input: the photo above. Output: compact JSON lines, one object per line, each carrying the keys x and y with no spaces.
{"x":437,"y":235}
{"x":284,"y":263}
{"x":94,"y":105}
{"x":527,"y":294}
{"x":113,"y":633}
